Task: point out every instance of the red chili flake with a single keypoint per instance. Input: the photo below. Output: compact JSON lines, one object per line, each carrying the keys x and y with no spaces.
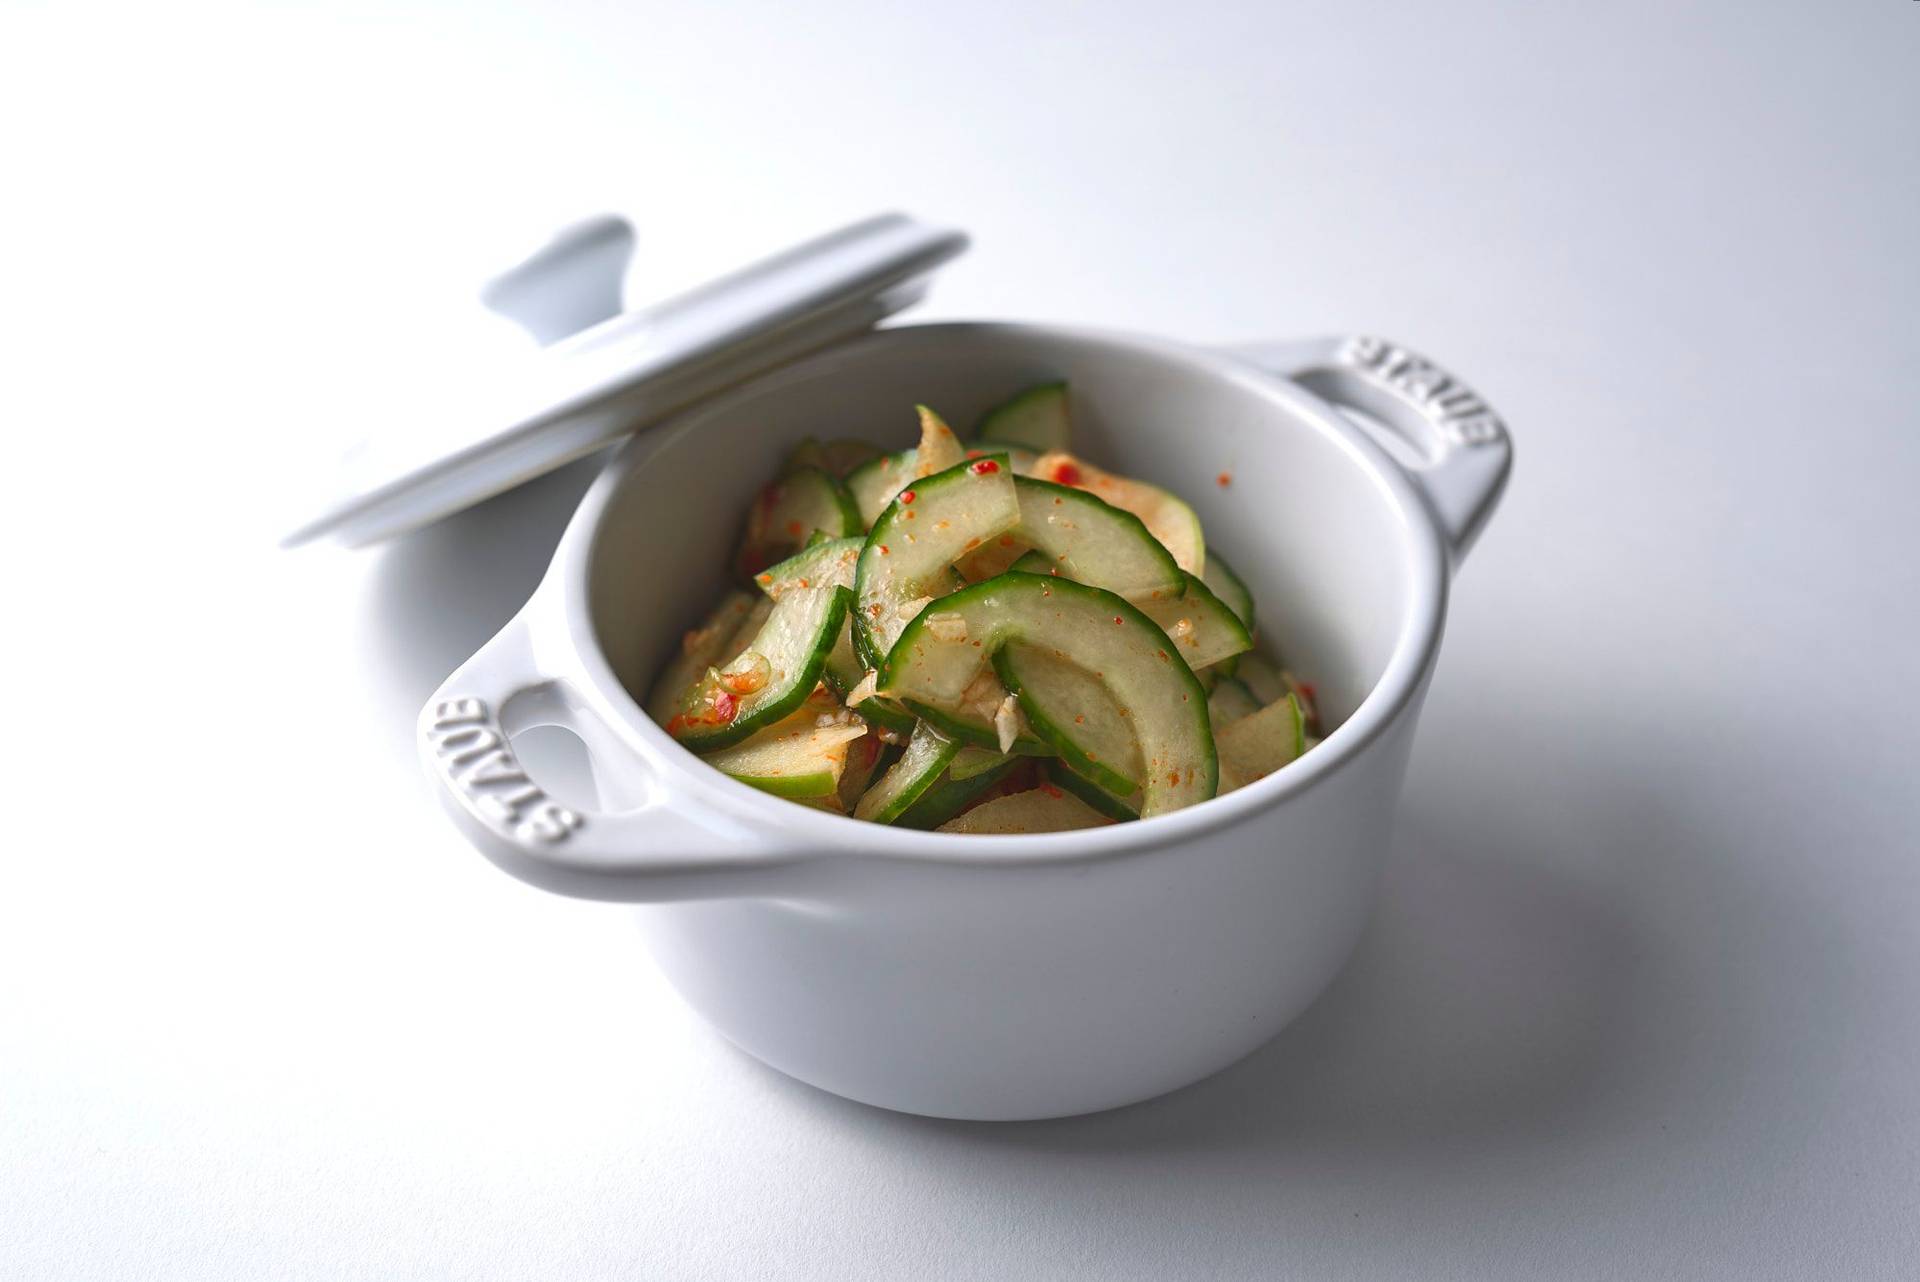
{"x":1173,"y":777}
{"x":985,"y":467}
{"x":1118,"y":620}
{"x":1050,"y":790}
{"x":1161,"y":653}
{"x":796,"y":529}
{"x":883,"y":550}
{"x":1066,"y":474}
{"x":1307,"y":688}
{"x":1223,"y":480}
{"x":1080,"y":721}
{"x":764,"y":578}
{"x":1006,"y":540}
{"x":906,"y":496}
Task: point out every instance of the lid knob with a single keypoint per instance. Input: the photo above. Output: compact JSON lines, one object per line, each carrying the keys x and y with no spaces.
{"x":572,"y":282}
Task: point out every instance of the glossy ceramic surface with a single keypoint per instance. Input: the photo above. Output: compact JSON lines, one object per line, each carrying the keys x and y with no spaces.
{"x":1003,"y":977}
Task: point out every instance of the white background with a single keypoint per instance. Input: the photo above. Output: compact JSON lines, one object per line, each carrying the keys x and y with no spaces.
{"x":1640,"y":999}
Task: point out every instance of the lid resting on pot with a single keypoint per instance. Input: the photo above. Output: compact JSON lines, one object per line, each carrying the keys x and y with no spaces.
{"x":538,"y":409}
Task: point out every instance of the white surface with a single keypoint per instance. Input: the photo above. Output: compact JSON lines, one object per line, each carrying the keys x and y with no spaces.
{"x":1640,"y":1000}
{"x":1023,"y":978}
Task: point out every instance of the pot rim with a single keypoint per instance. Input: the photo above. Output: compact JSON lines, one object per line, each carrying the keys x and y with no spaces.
{"x":802,"y":831}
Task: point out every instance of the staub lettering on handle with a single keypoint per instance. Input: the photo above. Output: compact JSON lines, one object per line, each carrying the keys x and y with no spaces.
{"x":473,"y":753}
{"x":1455,"y":409}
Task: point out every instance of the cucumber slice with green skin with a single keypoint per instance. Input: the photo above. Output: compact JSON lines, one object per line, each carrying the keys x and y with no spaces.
{"x":1099,"y":632}
{"x":829,"y":561}
{"x":1120,"y":810}
{"x":1309,"y":699}
{"x":967,"y":725}
{"x":786,"y":511}
{"x":795,"y":757}
{"x":1074,"y":713}
{"x":842,"y":670}
{"x":1045,"y":809}
{"x":798,"y":636}
{"x":992,"y":559}
{"x":700,"y":649}
{"x":1229,"y":587}
{"x":1201,"y":624}
{"x":863,"y":762}
{"x":888,"y":714}
{"x":1256,"y":746}
{"x":910,"y":552}
{"x":874,"y":483}
{"x":837,"y":457}
{"x":925,"y":759}
{"x":1037,"y":419}
{"x":1229,"y":702}
{"x":971,"y":761}
{"x":949,"y":795}
{"x":939,"y":448}
{"x":1171,"y":520}
{"x":1093,"y":542}
{"x":1022,"y":460}
{"x":1262,"y":676}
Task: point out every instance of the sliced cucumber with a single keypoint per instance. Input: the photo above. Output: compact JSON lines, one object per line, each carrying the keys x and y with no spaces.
{"x":926,"y":757}
{"x":1200,"y":624}
{"x":749,"y":629}
{"x":970,"y":725}
{"x":837,"y":457}
{"x":874,"y":483}
{"x":972,"y":760}
{"x":795,"y":757}
{"x":910,"y":552}
{"x":1074,"y":713}
{"x":994,"y":557}
{"x":1229,"y":587}
{"x":1100,"y":633}
{"x":830,"y":561}
{"x":729,"y":704}
{"x":700,"y":649}
{"x":1036,"y":419}
{"x":863,"y":760}
{"x":1262,"y":676}
{"x":1120,"y":810}
{"x":1022,"y":460}
{"x":791,"y":508}
{"x":1309,"y":698}
{"x":1229,"y":702}
{"x":951,"y":795}
{"x":1045,"y":809}
{"x":1256,"y":746}
{"x":888,"y":714}
{"x":842,"y":670}
{"x":1093,"y":542}
{"x":1171,"y":520}
{"x":939,"y":448}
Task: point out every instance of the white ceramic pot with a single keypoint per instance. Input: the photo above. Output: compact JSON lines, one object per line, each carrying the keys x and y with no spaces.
{"x":999,"y":977}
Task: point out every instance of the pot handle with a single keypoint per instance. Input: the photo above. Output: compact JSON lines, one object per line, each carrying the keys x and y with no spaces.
{"x":646,"y":849}
{"x":1440,"y":431}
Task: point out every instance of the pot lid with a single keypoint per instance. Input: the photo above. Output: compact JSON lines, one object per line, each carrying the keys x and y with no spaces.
{"x":602,"y":373}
